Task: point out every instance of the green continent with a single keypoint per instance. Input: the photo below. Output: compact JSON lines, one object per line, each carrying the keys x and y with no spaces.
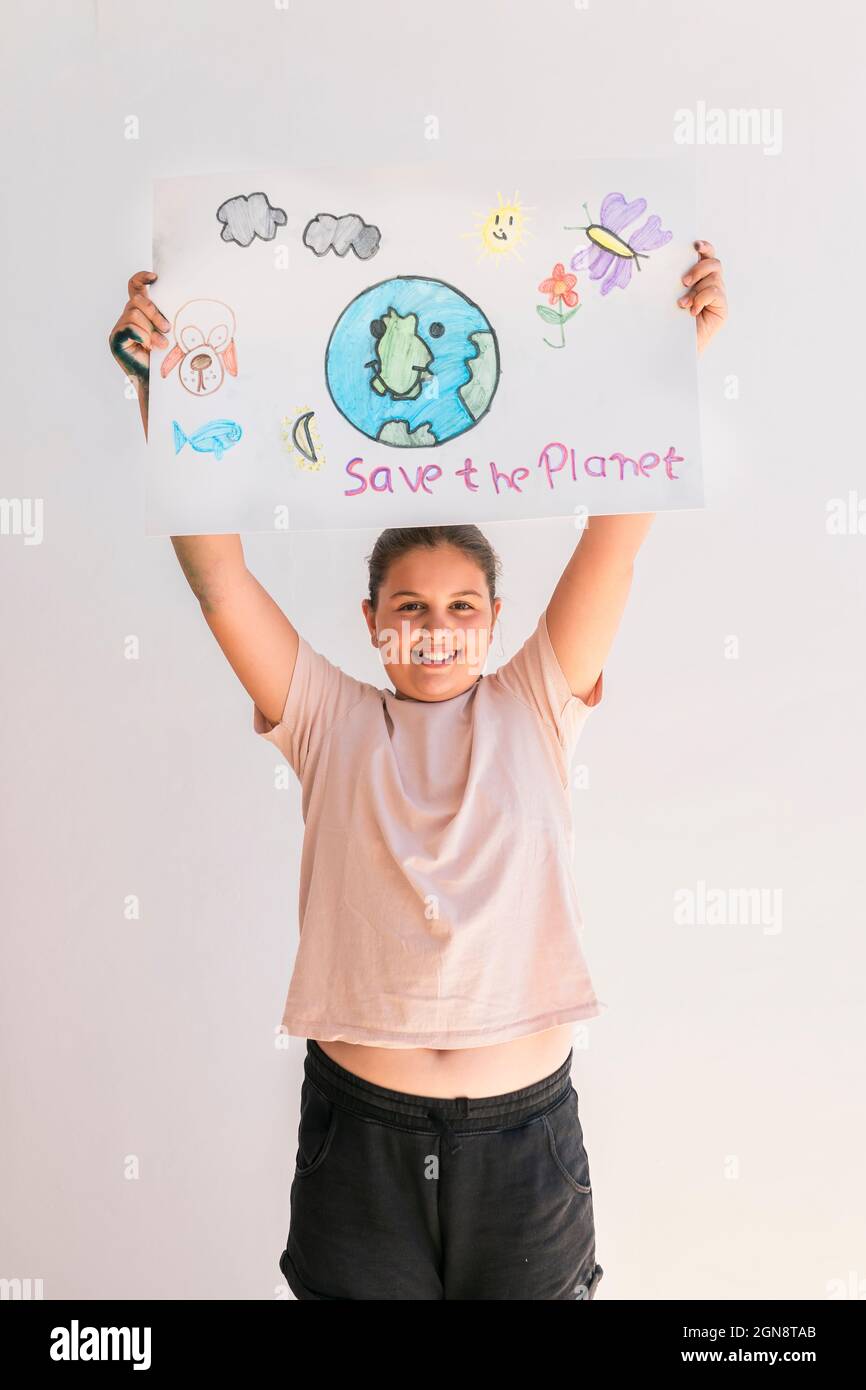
{"x":397,"y":432}
{"x":477,"y":393}
{"x":403,"y":356}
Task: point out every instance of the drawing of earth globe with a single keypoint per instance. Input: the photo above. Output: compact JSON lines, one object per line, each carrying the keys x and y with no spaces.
{"x":412,"y":361}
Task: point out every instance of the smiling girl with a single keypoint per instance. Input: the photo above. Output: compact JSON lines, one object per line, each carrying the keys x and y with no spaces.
{"x":439,"y":972}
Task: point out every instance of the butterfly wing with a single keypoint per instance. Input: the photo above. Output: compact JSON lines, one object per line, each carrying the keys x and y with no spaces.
{"x":650,"y":236}
{"x":616,"y":213}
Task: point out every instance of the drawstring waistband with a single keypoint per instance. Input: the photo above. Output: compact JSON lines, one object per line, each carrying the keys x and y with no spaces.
{"x":445,"y":1128}
{"x":408,"y":1111}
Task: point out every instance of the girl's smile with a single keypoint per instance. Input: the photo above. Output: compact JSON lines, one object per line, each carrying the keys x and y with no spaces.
{"x":437,"y":659}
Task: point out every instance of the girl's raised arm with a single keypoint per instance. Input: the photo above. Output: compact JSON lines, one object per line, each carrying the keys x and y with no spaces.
{"x":257,"y":639}
{"x":587,"y":604}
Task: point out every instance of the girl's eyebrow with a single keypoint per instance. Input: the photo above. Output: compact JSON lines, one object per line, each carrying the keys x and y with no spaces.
{"x":412,"y":594}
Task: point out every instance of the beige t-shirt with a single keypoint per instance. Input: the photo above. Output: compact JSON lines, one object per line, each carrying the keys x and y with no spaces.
{"x":438,"y":906}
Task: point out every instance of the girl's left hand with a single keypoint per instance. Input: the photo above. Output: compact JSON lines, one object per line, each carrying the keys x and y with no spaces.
{"x":705,"y":299}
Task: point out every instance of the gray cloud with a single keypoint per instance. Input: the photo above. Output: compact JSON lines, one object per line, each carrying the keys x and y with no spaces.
{"x":249,"y":217}
{"x":326,"y":233}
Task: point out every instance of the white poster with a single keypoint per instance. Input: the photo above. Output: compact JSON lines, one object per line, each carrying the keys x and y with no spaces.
{"x":423,"y":345}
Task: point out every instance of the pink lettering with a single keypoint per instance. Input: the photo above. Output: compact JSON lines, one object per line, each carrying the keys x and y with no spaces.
{"x":353,"y":492}
{"x":421,"y":474}
{"x":497,"y":473}
{"x":544,"y":460}
{"x":670,"y":458}
{"x":468,"y":467}
{"x":622,"y":460}
{"x":646,"y":467}
{"x":384,"y":486}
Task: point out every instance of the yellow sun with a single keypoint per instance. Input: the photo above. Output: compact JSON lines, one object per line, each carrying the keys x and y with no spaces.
{"x":502,"y":230}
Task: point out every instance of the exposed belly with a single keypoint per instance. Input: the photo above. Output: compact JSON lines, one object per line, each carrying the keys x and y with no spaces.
{"x":460,"y":1071}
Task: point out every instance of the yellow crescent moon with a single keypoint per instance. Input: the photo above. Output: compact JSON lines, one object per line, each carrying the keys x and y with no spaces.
{"x":307,"y":448}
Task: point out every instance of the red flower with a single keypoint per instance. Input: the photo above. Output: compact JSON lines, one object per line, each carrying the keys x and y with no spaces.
{"x":559,"y":286}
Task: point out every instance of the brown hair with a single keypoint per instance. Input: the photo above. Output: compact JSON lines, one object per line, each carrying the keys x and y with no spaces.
{"x":396,"y":541}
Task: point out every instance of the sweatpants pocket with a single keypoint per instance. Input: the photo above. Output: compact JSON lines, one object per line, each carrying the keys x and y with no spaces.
{"x":565,"y":1143}
{"x":315,"y":1130}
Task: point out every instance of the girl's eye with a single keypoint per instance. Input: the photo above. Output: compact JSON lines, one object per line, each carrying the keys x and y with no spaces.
{"x":414,"y":603}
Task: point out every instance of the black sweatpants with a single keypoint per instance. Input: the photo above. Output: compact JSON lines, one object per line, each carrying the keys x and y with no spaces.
{"x":399,"y":1196}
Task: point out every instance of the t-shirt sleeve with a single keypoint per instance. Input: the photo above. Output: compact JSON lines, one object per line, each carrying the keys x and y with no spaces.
{"x":320,"y":693}
{"x":535,"y":677}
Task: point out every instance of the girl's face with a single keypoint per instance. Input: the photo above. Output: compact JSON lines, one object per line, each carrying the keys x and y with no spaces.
{"x":433,"y":623}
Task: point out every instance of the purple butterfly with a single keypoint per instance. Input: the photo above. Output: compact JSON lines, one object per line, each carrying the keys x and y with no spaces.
{"x":610,"y":249}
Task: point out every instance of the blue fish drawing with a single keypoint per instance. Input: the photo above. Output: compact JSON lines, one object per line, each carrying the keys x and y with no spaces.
{"x":213,"y":438}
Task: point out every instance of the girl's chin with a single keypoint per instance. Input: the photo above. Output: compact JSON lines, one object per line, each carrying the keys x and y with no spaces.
{"x":417,"y":677}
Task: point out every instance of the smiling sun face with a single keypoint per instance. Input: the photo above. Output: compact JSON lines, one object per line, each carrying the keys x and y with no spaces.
{"x":502,"y":230}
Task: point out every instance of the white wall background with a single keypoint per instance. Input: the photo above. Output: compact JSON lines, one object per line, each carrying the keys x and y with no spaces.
{"x":721,"y":1094}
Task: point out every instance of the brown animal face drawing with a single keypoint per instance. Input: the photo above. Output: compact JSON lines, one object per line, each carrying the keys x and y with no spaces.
{"x":204,"y":350}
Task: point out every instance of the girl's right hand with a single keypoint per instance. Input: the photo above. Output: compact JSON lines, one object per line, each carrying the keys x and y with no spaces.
{"x":140,"y":327}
